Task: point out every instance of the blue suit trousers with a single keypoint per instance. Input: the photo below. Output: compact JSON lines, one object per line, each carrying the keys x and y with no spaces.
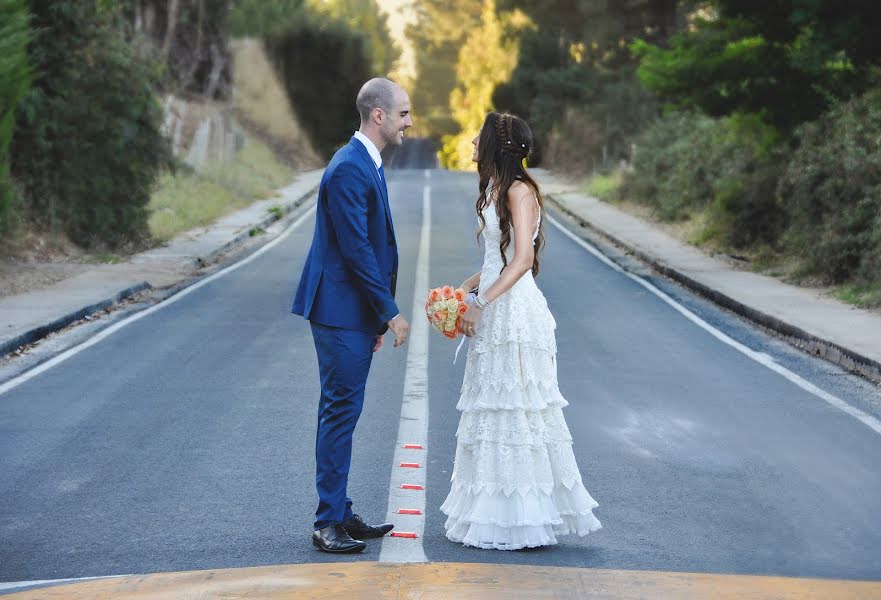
{"x":344,"y":358}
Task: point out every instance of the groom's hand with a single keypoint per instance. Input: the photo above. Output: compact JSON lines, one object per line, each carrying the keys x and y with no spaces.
{"x":401,"y":328}
{"x":378,"y":344}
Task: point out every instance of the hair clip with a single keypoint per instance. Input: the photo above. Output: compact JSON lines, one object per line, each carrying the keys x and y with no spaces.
{"x":509,"y":141}
{"x":523,"y":145}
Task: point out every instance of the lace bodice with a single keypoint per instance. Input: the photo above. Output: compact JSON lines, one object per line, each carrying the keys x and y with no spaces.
{"x":492,"y":236}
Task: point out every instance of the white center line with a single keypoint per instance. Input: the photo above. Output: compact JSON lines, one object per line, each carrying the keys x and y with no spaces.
{"x":760,"y":357}
{"x":413,"y":426}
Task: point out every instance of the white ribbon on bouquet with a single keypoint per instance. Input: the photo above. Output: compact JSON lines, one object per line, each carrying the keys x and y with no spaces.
{"x":469,"y":299}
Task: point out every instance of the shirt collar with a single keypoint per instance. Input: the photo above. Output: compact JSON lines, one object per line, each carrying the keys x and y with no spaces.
{"x":371,"y":148}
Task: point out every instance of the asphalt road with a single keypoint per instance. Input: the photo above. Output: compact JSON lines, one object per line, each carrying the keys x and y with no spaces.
{"x":185,"y":440}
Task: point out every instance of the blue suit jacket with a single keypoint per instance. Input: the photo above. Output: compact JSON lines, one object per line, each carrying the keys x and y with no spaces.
{"x":351,"y":271}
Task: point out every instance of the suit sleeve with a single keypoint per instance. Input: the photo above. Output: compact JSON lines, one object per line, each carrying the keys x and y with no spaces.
{"x":347,"y":206}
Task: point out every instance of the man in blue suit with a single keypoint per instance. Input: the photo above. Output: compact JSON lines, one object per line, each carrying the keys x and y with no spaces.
{"x":347,"y":292}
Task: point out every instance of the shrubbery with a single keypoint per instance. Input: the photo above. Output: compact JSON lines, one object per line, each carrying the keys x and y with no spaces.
{"x":817,"y":199}
{"x":325,"y":103}
{"x":831,"y":191}
{"x":14,"y":81}
{"x":88,"y":146}
{"x":687,"y":163}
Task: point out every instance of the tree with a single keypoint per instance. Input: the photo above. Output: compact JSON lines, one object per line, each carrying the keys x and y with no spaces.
{"x":87,"y":145}
{"x":325,"y":104}
{"x":259,"y":18}
{"x":437,"y":34}
{"x":485,"y":60}
{"x":575,"y":80}
{"x":187,"y":37}
{"x":15,"y":77}
{"x":365,"y":17}
{"x":788,"y":60}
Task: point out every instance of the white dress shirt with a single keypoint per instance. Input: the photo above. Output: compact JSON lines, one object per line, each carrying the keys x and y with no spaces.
{"x":371,"y":148}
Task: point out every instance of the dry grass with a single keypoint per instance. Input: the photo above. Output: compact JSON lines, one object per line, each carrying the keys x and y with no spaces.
{"x":262,"y":105}
{"x":187,"y":200}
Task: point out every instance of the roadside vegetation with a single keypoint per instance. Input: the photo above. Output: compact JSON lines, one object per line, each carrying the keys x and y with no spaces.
{"x":86,"y":166}
{"x":188,"y":198}
{"x":752,"y":130}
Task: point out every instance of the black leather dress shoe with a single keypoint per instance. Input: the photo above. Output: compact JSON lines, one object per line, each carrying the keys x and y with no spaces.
{"x":334,"y":539}
{"x":357,"y":528}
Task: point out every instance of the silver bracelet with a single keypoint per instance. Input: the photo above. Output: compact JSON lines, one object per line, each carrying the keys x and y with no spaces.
{"x":480,"y":302}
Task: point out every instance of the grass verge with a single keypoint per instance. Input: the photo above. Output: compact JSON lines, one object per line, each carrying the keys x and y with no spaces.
{"x":864,"y":295}
{"x":698,"y":229}
{"x":194,"y":199}
{"x":604,"y":186}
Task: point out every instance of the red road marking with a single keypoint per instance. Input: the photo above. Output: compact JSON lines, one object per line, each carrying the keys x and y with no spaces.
{"x":411,"y":486}
{"x":413,"y":446}
{"x":404,"y":534}
{"x":410,"y":465}
{"x":409,"y":511}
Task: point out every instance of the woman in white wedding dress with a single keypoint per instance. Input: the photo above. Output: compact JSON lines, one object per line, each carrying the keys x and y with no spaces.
{"x":515,"y":482}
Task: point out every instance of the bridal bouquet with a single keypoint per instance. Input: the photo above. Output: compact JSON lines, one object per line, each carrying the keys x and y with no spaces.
{"x":445,"y":307}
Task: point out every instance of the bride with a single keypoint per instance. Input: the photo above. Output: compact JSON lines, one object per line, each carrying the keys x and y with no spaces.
{"x":515,"y":483}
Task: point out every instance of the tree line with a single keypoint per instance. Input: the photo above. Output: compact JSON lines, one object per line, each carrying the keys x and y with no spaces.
{"x":82,"y":84}
{"x":759,"y":120}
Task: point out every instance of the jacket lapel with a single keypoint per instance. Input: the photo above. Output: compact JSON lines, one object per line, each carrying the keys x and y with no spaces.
{"x":359,"y":147}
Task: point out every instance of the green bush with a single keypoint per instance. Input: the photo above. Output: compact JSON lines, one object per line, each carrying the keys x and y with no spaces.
{"x":14,"y":81}
{"x":88,"y":145}
{"x":671,"y":170}
{"x":727,"y":168}
{"x":258,"y":18}
{"x":831,"y":191}
{"x":325,"y":104}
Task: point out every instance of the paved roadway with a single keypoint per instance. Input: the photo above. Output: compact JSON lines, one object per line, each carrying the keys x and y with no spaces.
{"x":185,"y":440}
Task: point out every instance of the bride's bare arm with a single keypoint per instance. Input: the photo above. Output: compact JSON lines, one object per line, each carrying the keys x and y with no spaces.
{"x":524,"y":215}
{"x":471,"y":282}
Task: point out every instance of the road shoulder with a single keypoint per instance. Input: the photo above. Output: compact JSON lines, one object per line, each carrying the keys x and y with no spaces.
{"x":824,"y":327}
{"x":30,"y":317}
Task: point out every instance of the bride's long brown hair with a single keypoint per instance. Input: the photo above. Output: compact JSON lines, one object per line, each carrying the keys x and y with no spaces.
{"x":504,"y":143}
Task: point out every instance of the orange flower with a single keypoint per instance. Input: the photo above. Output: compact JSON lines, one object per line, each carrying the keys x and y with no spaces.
{"x":450,"y":334}
{"x":459,"y":295}
{"x":463,"y":308}
{"x":433,"y":295}
{"x":447,"y":292}
{"x":440,"y":315}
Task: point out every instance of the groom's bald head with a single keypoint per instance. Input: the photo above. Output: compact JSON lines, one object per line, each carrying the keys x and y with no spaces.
{"x":377,"y":93}
{"x":384,"y":107}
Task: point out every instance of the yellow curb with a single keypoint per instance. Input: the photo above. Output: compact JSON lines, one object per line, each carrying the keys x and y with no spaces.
{"x":458,"y":581}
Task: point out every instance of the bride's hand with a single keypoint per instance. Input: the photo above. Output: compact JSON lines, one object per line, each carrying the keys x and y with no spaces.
{"x":470,"y":320}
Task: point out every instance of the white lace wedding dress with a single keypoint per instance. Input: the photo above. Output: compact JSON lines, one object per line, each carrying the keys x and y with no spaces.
{"x":515,"y":483}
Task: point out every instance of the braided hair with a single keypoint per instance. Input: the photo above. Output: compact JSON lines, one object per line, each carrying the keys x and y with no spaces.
{"x":504,"y":143}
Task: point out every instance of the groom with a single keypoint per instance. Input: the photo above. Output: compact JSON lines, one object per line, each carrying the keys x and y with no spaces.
{"x":347,"y":293}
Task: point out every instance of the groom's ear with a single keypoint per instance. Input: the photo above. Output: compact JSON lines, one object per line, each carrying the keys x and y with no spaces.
{"x":378,"y":115}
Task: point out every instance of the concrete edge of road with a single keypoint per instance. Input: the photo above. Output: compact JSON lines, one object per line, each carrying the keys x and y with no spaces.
{"x":368,"y":579}
{"x":38,"y":333}
{"x":58,"y":323}
{"x":845,"y":358}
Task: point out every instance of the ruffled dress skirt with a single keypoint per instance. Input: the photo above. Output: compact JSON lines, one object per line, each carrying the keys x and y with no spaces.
{"x":515,"y":482}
